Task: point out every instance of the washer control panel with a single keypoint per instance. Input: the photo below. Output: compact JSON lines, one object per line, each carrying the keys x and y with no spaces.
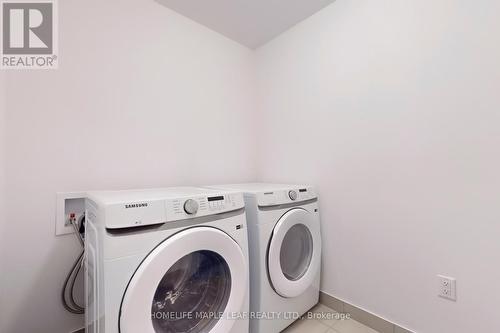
{"x":183,"y":208}
{"x":283,"y":197}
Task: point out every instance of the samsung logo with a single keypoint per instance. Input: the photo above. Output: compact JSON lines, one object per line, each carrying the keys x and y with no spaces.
{"x":136,"y":205}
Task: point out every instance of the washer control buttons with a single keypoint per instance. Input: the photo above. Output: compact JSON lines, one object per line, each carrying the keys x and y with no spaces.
{"x":217,"y":205}
{"x":191,"y":206}
{"x":292,"y":195}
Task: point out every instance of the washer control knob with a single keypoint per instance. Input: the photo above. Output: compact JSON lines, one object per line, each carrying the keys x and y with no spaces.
{"x":191,"y":206}
{"x":292,"y":195}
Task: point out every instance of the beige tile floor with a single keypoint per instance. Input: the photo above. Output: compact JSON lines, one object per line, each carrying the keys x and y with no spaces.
{"x":322,"y":319}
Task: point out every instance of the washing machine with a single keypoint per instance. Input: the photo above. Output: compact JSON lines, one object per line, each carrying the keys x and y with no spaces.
{"x":166,"y":261}
{"x":285,"y":252}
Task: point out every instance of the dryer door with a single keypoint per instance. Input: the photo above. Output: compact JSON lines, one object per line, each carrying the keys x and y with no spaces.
{"x":294,"y":256}
{"x":192,"y":282}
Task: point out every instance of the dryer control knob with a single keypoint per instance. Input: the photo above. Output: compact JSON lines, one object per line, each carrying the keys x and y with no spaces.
{"x":191,"y":206}
{"x":292,"y":195}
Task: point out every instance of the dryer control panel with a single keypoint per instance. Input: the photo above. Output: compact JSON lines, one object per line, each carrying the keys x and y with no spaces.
{"x":183,"y":208}
{"x":287,"y":196}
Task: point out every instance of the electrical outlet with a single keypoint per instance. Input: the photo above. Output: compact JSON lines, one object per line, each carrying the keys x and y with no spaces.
{"x":447,"y":287}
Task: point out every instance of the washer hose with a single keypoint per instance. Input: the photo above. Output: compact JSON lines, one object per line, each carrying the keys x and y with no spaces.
{"x":67,"y":294}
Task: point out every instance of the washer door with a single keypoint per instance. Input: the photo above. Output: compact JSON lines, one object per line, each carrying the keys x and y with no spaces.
{"x":294,"y":255}
{"x":191,"y":282}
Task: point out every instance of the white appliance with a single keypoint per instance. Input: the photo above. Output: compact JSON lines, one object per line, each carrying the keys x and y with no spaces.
{"x":285,"y":252}
{"x":165,"y":261}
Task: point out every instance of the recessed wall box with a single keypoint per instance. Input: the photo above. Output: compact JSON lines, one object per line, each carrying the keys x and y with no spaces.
{"x":68,"y":203}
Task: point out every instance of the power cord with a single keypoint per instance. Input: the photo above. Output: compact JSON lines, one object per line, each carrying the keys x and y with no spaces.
{"x":67,"y":294}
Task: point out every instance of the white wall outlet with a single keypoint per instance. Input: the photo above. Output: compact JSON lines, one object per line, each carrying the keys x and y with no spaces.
{"x":68,"y":203}
{"x":447,"y":287}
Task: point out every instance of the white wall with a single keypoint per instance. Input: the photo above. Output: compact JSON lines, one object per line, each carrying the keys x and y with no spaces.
{"x":2,"y":179}
{"x":392,"y":109}
{"x":143,"y":98}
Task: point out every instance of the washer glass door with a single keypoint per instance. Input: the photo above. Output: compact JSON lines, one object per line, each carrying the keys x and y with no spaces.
{"x":192,"y":282}
{"x":191,"y":294}
{"x":294,"y":252}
